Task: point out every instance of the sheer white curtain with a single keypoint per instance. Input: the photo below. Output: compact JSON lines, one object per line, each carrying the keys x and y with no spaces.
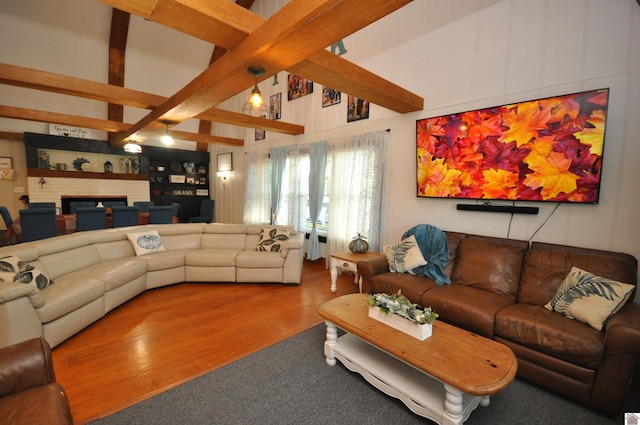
{"x":278,"y":159}
{"x":357,"y":177}
{"x":257,"y":193}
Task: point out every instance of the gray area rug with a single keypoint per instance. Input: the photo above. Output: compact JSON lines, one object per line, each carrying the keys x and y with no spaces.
{"x":290,"y":383}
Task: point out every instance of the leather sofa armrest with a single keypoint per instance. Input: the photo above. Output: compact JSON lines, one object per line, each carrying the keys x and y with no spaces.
{"x":621,"y":353}
{"x":369,"y":268}
{"x":25,"y":365}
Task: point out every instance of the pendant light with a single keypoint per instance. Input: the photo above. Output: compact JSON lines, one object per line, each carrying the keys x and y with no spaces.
{"x":131,"y":147}
{"x":256,"y":106}
{"x":166,"y":140}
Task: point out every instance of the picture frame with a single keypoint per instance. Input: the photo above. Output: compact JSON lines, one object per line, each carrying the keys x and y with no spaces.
{"x":275,"y":106}
{"x":6,"y":162}
{"x":202,"y":192}
{"x":260,"y":134}
{"x":357,"y":109}
{"x":298,"y":87}
{"x":6,"y":168}
{"x":330,"y":96}
{"x":191,"y":180}
{"x":225,"y":161}
{"x":176,"y":178}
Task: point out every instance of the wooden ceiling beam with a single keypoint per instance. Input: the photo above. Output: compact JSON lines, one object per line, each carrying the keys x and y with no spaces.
{"x":117,"y":49}
{"x":104,"y":125}
{"x":56,"y":83}
{"x":72,"y":86}
{"x":299,"y":29}
{"x":320,"y":67}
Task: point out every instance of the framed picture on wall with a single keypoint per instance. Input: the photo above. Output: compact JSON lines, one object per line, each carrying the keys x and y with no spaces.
{"x":275,"y":105}
{"x":298,"y":87}
{"x":6,"y":168}
{"x":330,"y":97}
{"x":260,"y":134}
{"x":357,"y":109}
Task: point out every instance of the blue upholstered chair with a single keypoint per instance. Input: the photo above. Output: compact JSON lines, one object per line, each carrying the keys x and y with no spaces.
{"x":175,"y":208}
{"x":122,"y":216}
{"x":73,"y":206}
{"x":143,"y":206}
{"x":161,"y":214}
{"x":6,"y":216}
{"x":90,"y":218}
{"x":111,"y":204}
{"x":38,"y":223}
{"x":206,"y":212}
{"x":33,"y":205}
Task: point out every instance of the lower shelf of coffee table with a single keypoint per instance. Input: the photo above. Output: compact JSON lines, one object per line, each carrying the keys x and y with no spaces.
{"x":422,"y":394}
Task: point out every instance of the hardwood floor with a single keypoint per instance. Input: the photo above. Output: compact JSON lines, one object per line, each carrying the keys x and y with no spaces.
{"x":169,"y":335}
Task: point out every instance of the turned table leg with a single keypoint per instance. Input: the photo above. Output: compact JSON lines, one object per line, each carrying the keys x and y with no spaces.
{"x":332,"y":337}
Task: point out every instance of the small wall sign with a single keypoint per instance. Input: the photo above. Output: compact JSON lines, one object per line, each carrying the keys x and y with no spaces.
{"x":67,"y":131}
{"x":183,"y":192}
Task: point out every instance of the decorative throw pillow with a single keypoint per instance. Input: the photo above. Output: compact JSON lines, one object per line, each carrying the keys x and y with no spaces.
{"x":589,"y":298}
{"x":13,"y":269}
{"x":146,"y":242}
{"x":271,"y":239}
{"x":404,"y":256}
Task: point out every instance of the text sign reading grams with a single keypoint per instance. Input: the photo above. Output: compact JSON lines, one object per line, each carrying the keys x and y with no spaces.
{"x":183,"y":192}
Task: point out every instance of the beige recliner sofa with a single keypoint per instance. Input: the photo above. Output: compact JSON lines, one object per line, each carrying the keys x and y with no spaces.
{"x":94,"y":272}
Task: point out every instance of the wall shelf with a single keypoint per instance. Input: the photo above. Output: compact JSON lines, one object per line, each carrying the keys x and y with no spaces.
{"x":37,"y":172}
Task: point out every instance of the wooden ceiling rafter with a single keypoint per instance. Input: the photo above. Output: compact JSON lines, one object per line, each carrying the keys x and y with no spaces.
{"x":47,"y":81}
{"x":104,"y":125}
{"x":205,"y":126}
{"x":297,"y":31}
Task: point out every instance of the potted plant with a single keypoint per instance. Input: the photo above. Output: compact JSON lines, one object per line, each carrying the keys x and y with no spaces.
{"x":405,"y":316}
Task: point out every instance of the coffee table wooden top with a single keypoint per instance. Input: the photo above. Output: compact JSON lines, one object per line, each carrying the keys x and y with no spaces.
{"x":469,"y":362}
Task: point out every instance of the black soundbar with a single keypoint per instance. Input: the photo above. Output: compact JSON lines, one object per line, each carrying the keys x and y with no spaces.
{"x":499,"y":208}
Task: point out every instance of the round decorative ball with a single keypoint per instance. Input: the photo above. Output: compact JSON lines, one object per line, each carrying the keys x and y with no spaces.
{"x":359,"y":245}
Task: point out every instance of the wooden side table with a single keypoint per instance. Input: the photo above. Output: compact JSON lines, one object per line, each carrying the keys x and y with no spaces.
{"x":349,"y":261}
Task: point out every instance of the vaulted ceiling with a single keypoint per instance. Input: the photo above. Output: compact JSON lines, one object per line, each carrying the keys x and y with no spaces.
{"x":295,"y":39}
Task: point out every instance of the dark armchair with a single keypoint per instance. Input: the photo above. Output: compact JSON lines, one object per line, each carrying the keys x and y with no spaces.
{"x":29,"y":393}
{"x":206,"y":212}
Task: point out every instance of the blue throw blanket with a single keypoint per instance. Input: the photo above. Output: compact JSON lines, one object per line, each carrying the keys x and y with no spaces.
{"x":435,"y":249}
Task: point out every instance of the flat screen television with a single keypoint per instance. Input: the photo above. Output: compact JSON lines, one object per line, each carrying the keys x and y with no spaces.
{"x":540,"y":150}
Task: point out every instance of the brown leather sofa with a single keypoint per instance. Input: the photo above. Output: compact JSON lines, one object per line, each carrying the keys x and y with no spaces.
{"x":29,"y":393}
{"x":499,"y":289}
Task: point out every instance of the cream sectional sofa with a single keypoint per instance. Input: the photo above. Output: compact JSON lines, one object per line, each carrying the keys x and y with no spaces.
{"x":94,"y":272}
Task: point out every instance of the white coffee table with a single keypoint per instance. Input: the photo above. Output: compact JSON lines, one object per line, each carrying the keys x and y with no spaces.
{"x":443,"y":378}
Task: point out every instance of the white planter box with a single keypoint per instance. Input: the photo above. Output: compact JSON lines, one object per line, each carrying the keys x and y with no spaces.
{"x":406,"y":326}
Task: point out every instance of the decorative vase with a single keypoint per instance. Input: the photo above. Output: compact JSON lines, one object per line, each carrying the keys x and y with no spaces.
{"x":401,"y":324}
{"x":359,"y":245}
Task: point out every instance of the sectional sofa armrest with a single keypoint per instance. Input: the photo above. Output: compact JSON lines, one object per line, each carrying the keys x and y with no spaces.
{"x":369,"y":268}
{"x":621,"y":353}
{"x":294,"y":242}
{"x":25,"y":365}
{"x":13,"y":291}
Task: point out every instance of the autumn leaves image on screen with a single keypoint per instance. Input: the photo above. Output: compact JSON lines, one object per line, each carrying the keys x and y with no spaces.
{"x":541,"y":150}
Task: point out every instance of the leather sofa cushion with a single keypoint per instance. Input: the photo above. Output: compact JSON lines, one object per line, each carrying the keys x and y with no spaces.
{"x":453,"y":239}
{"x":36,"y":406}
{"x":466,"y":306}
{"x":212,"y":257}
{"x":492,"y":264}
{"x":68,"y":293}
{"x":551,"y":333}
{"x":259,"y":259}
{"x":164,"y":260}
{"x":546,"y":266}
{"x":118,"y":272}
{"x":412,"y":286}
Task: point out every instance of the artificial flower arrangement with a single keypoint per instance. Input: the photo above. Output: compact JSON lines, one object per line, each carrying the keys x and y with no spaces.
{"x":400,"y":305}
